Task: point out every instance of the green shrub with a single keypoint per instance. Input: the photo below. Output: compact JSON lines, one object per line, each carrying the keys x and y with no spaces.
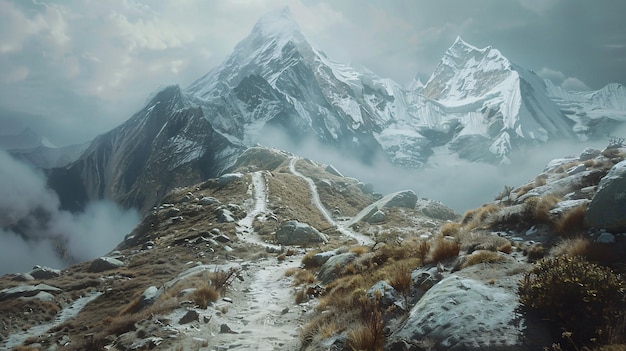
{"x":580,"y":297}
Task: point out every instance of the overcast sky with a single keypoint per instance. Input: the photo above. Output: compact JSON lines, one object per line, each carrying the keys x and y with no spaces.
{"x":73,"y":69}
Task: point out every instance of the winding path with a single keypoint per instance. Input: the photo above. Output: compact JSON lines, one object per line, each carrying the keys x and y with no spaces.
{"x":245,"y":228}
{"x":315,"y":198}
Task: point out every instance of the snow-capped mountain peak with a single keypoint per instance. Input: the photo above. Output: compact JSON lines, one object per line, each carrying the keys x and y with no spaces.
{"x":279,"y":23}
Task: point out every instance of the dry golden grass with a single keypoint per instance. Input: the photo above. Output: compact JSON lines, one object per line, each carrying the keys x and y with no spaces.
{"x":534,"y":252}
{"x":367,"y":336}
{"x":578,"y":246}
{"x":543,"y":207}
{"x":359,"y":250}
{"x":479,"y":240}
{"x":524,"y":189}
{"x":442,"y":249}
{"x":452,"y":228}
{"x":400,"y":277}
{"x":482,"y":256}
{"x":204,"y":295}
{"x":307,"y":259}
{"x":303,"y":276}
{"x":572,"y":223}
{"x":507,"y":248}
{"x":478,"y":217}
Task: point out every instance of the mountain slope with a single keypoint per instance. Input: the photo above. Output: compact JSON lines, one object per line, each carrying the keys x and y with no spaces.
{"x":495,"y":99}
{"x":167,"y":144}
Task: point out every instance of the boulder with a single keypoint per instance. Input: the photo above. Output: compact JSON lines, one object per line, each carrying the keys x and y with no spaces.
{"x":608,"y":206}
{"x":104,"y":264}
{"x":23,"y":277}
{"x":148,"y":296}
{"x":464,"y":314}
{"x":332,"y":170}
{"x":435,"y":209}
{"x":321,"y":257}
{"x":228,"y":178}
{"x":377,"y":217}
{"x":386,"y":294}
{"x":405,"y":198}
{"x":589,"y":153}
{"x":331,"y":269}
{"x":41,"y":272}
{"x":41,"y":296}
{"x":209,"y":200}
{"x":190,"y":316}
{"x":26,"y":291}
{"x":296,"y":233}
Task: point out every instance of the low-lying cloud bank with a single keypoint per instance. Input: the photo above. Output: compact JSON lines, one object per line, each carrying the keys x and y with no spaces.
{"x":459,"y":184}
{"x":33,"y":230}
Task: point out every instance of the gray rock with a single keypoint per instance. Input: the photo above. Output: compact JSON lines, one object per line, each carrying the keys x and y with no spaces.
{"x":377,"y":217}
{"x":102,"y":264}
{"x":26,"y":291}
{"x":464,"y":314}
{"x":387,"y":294}
{"x":435,"y":209}
{"x":588,"y":154}
{"x":405,"y":198}
{"x":368,"y":189}
{"x":172,"y":212}
{"x":190,"y":316}
{"x":41,"y":272}
{"x":148,"y":296}
{"x":209,"y":200}
{"x":332,"y":170}
{"x":606,"y":238}
{"x":41,"y":296}
{"x":225,"y":329}
{"x":23,"y":277}
{"x":228,"y":178}
{"x":577,"y":169}
{"x":321,"y":257}
{"x":608,"y":206}
{"x":296,"y":233}
{"x":222,"y":238}
{"x":331,"y":269}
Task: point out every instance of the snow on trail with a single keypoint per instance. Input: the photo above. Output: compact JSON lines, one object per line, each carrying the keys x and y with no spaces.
{"x":315,"y":197}
{"x":68,"y":312}
{"x":245,"y":229}
{"x":263,"y":314}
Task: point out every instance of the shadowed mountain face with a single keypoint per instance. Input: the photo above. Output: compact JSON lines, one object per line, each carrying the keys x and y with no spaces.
{"x":165,"y":145}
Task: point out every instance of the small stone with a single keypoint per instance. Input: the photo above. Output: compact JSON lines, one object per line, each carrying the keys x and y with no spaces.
{"x":190,"y":316}
{"x":225,"y":329}
{"x":285,"y":310}
{"x":222,"y":238}
{"x":606,"y":238}
{"x":228,"y":299}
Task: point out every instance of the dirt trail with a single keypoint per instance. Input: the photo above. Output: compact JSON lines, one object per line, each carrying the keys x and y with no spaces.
{"x":258,"y":194}
{"x":66,"y":313}
{"x":315,"y":198}
{"x":263,"y":314}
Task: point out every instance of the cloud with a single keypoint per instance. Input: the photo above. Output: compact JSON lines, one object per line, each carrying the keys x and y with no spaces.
{"x":32,"y":228}
{"x":574,"y":84}
{"x":565,"y":82}
{"x":538,"y":6}
{"x":458,"y":184}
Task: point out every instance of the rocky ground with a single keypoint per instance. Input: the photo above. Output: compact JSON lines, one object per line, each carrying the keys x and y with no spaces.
{"x":284,"y":253}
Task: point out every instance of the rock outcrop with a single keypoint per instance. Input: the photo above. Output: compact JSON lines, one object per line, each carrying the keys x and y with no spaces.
{"x":296,"y":233}
{"x":608,"y":206}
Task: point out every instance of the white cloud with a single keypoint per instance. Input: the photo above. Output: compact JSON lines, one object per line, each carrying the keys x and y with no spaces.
{"x":38,"y":225}
{"x":562,"y":80}
{"x":574,"y":84}
{"x":17,"y":74}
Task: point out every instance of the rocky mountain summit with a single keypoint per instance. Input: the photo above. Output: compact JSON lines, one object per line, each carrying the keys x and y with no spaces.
{"x":285,"y":253}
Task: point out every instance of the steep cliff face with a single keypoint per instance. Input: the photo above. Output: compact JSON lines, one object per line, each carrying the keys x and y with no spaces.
{"x":167,"y":144}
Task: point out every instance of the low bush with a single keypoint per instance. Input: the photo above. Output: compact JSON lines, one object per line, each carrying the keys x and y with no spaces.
{"x":442,"y":249}
{"x":572,"y":223}
{"x":582,"y":298}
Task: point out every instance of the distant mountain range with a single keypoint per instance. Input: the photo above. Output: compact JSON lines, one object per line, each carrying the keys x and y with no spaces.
{"x":477,"y":105}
